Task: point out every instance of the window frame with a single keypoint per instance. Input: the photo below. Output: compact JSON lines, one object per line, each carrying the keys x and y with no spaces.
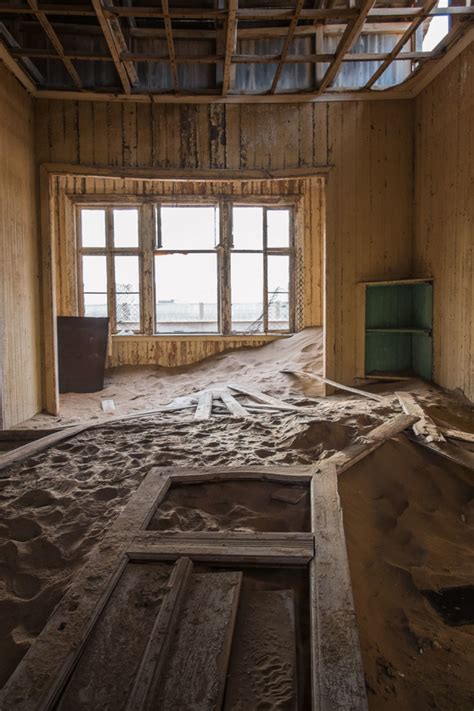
{"x":148,"y":248}
{"x":110,"y":251}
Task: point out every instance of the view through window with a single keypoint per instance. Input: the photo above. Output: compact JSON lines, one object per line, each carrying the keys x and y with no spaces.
{"x":188,"y":268}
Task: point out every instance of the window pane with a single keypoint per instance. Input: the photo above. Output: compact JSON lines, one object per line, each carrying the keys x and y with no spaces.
{"x":278,"y":277}
{"x":127,"y":312}
{"x":187,"y":227}
{"x":127,"y":275}
{"x":93,"y":228}
{"x":186,"y":293}
{"x":95,"y":305}
{"x":126,"y":228}
{"x":127,"y":297}
{"x":247,"y":292}
{"x":247,"y":227}
{"x":94,"y":273}
{"x":278,"y":228}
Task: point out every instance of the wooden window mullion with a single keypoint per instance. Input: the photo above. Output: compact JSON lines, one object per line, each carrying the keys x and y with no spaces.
{"x":147,"y":241}
{"x":265,"y":273}
{"x":223,"y":256}
{"x":111,"y":295}
{"x":292,"y":274}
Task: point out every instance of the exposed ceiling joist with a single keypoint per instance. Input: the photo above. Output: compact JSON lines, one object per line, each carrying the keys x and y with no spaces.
{"x":230,"y":46}
{"x":427,"y":7}
{"x":15,"y":68}
{"x":111,"y":43}
{"x":349,"y":37}
{"x":170,"y":42}
{"x":55,"y":41}
{"x":286,"y":45}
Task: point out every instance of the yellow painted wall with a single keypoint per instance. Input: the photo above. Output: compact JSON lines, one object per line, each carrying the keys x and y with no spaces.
{"x":444,"y":245}
{"x":19,"y":268}
{"x":369,"y":194}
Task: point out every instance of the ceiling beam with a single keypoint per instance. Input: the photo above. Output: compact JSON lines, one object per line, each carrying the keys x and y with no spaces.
{"x":427,"y":7}
{"x":55,"y":41}
{"x":286,"y":45}
{"x":122,"y":46}
{"x":15,"y":68}
{"x":111,"y":43}
{"x":13,"y":45}
{"x":216,"y":59}
{"x":349,"y":37}
{"x":170,"y":42}
{"x":230,"y":46}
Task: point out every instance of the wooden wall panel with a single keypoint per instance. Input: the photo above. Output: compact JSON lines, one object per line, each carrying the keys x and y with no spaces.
{"x":444,"y":245}
{"x":369,"y":196}
{"x":20,"y":314}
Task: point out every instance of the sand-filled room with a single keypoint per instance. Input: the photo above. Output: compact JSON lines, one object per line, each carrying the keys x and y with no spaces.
{"x":236,"y":355}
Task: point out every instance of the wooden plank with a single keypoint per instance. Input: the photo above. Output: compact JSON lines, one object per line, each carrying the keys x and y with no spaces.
{"x":424,"y":426}
{"x":38,"y":680}
{"x":289,"y":474}
{"x":170,"y":43}
{"x":110,"y":39}
{"x":262,"y":397}
{"x":266,"y":633}
{"x":286,"y":45}
{"x":39,"y":445}
{"x":233,"y":405}
{"x":457,"y":434}
{"x":15,"y":68}
{"x":349,"y":37}
{"x":338,"y":386}
{"x":195,"y":672}
{"x":230,"y":552}
{"x":230,"y":46}
{"x":423,"y":12}
{"x":292,"y":538}
{"x":107,"y":668}
{"x":337,"y":673}
{"x":453,"y":453}
{"x":204,"y":406}
{"x":55,"y":41}
{"x":157,"y":650}
{"x":372,"y":441}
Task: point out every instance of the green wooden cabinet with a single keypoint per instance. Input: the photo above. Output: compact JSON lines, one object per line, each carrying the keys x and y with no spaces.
{"x":395,"y":329}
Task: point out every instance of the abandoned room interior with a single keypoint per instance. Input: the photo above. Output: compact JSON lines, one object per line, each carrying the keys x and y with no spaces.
{"x":236,"y":355}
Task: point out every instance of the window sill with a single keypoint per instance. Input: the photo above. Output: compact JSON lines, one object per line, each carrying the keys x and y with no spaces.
{"x":202,"y":337}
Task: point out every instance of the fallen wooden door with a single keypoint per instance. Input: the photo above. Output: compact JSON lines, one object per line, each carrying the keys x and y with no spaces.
{"x":142,"y":627}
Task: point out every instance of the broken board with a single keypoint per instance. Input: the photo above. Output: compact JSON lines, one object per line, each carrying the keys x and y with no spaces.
{"x":195,"y":672}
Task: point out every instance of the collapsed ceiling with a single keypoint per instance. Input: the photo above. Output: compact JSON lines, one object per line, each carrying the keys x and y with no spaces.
{"x":227,"y":49}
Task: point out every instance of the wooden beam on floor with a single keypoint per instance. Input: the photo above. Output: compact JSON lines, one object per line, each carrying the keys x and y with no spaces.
{"x":334,"y":384}
{"x":204,"y":406}
{"x":336,"y":665}
{"x":157,"y":650}
{"x":370,"y":442}
{"x":424,"y":427}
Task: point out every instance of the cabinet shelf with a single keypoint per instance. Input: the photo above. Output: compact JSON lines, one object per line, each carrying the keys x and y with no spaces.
{"x":395,"y":328}
{"x":426,"y":331}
